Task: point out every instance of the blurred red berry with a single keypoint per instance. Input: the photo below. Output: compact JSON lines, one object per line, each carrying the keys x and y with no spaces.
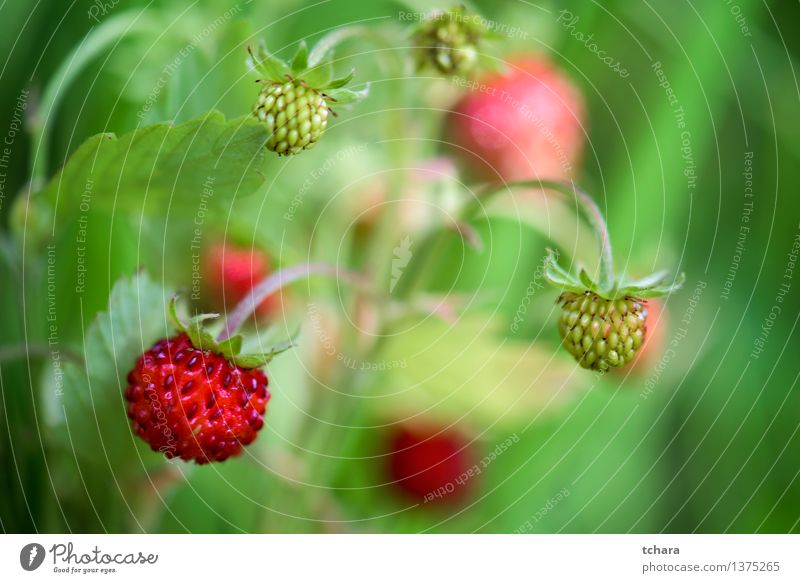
{"x":653,"y":348}
{"x":230,"y":272}
{"x":430,"y":465}
{"x":194,"y":404}
{"x":524,"y":123}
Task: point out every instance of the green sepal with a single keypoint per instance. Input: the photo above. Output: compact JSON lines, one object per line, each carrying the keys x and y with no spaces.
{"x":259,"y":360}
{"x":300,"y":59}
{"x":340,"y":82}
{"x":320,"y":75}
{"x":231,"y":348}
{"x":559,"y":277}
{"x":647,"y":282}
{"x":347,"y":96}
{"x":198,"y":334}
{"x":314,"y":68}
{"x":658,"y":290}
{"x":587,"y":281}
{"x":193,"y":328}
{"x":652,"y":286}
{"x":269,"y":66}
{"x":232,"y":345}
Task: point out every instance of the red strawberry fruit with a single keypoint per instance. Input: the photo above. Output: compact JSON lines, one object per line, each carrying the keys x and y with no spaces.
{"x":524,"y":123}
{"x":195,"y":398}
{"x":430,"y":465}
{"x":194,"y":404}
{"x":230,"y":272}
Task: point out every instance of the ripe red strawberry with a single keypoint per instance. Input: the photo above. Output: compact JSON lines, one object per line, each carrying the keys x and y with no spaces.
{"x":524,"y":123}
{"x":197,"y":398}
{"x":230,"y":272}
{"x":429,"y":464}
{"x":194,"y":404}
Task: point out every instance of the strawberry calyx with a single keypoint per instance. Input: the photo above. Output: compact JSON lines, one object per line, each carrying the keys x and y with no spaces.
{"x":654,"y":285}
{"x":230,"y":348}
{"x":312,"y":69}
{"x":295,"y":99}
{"x":607,"y":285}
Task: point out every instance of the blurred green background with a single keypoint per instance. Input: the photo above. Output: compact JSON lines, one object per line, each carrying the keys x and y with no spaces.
{"x":705,"y":443}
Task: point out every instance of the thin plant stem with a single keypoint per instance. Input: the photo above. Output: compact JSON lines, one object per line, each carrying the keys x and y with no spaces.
{"x":586,"y":203}
{"x":273,"y":283}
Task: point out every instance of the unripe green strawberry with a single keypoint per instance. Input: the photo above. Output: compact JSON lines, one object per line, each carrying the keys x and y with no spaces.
{"x":448,"y":41}
{"x":295,"y":115}
{"x":602,"y":333}
{"x":295,"y":99}
{"x":603,"y":323}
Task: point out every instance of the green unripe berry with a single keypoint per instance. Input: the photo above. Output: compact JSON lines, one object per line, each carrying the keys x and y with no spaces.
{"x":448,"y":42}
{"x":602,"y":333}
{"x":295,"y":115}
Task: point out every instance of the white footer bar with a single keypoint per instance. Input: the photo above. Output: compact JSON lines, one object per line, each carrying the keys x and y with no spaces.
{"x":406,"y":558}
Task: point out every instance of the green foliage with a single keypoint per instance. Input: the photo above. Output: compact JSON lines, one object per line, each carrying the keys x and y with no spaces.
{"x":90,"y":409}
{"x":150,"y":169}
{"x":469,"y":373}
{"x":703,"y":444}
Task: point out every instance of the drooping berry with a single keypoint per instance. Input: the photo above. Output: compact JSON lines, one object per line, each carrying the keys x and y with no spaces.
{"x":295,"y":114}
{"x":603,"y":323}
{"x":296,"y":98}
{"x":195,"y":397}
{"x":194,"y":404}
{"x":429,"y":464}
{"x":602,"y":333}
{"x":448,"y":41}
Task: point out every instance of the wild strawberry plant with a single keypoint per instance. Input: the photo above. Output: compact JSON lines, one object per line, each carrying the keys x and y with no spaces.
{"x":194,"y":387}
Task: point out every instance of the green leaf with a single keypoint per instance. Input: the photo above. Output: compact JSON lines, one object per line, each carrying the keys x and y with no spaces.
{"x":300,"y":60}
{"x":467,"y":371}
{"x":93,"y":410}
{"x":207,"y":160}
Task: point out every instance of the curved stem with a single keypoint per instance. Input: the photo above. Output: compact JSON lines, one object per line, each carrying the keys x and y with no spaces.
{"x":94,"y":44}
{"x":587,"y":204}
{"x":271,"y":284}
